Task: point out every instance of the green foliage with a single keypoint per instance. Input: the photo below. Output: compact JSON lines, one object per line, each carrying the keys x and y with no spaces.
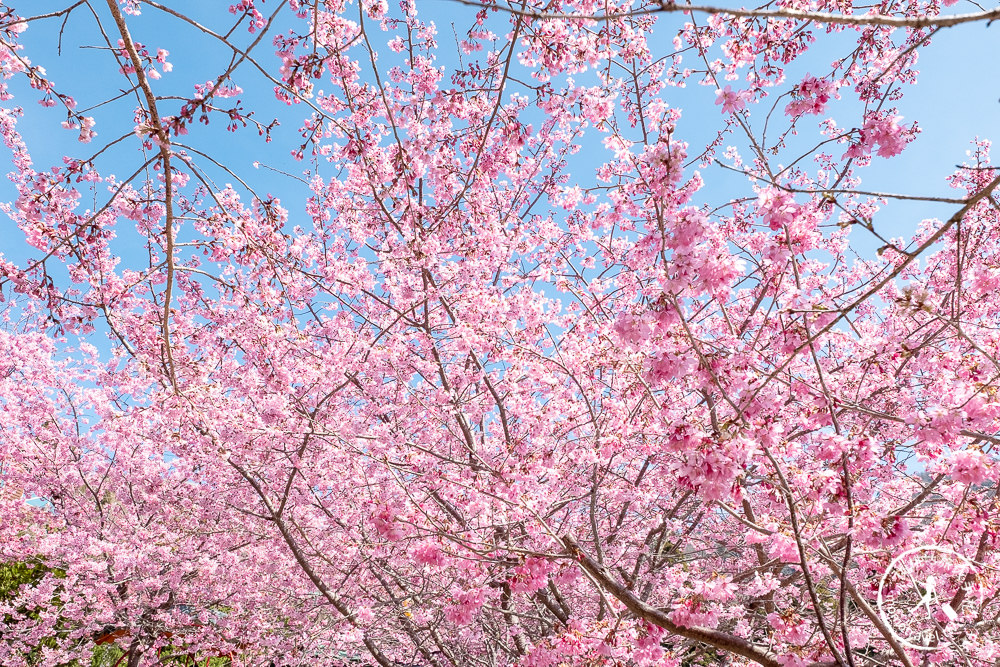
{"x":106,"y":656}
{"x":186,"y":660}
{"x":703,"y":655}
{"x":15,"y":574}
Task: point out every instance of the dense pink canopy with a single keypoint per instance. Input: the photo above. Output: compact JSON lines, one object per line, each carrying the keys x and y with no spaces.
{"x":521,"y":373}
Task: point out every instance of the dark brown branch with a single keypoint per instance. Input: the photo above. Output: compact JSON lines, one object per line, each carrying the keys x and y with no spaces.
{"x":715,"y":638}
{"x":818,"y":17}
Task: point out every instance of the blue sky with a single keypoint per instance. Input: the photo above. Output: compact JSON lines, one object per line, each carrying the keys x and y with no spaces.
{"x":957,"y":98}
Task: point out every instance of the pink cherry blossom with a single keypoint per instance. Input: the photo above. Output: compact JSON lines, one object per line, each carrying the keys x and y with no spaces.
{"x":970,"y":467}
{"x":486,"y":341}
{"x":731,"y":101}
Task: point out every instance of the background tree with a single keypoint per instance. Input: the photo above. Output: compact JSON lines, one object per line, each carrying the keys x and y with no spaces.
{"x":513,"y":372}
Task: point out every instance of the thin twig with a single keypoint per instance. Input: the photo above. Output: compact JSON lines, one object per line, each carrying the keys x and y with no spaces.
{"x":818,"y":17}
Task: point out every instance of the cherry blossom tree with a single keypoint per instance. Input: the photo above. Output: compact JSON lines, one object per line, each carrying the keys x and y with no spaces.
{"x":515,"y":369}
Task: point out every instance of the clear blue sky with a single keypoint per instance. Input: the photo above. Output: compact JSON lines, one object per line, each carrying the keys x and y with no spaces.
{"x":956,"y":99}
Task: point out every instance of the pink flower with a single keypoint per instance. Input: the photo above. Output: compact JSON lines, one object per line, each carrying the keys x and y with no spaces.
{"x":428,"y":554}
{"x":387,"y":527}
{"x":969,"y":466}
{"x":691,"y":612}
{"x":531,"y":576}
{"x":811,"y":96}
{"x":665,"y":367}
{"x":161,"y":57}
{"x":777,"y":207}
{"x":467,"y":605}
{"x":881,"y":532}
{"x":884,"y":131}
{"x":86,"y":131}
{"x":731,"y":100}
{"x":632,"y":329}
{"x":784,"y":548}
{"x":789,"y":627}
